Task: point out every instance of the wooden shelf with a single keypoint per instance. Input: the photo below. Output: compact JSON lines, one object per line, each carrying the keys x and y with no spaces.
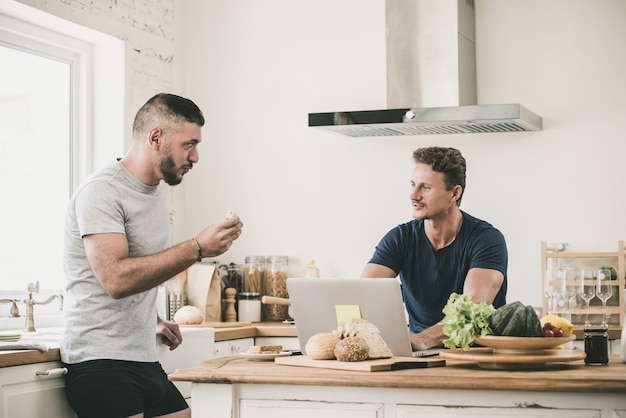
{"x":552,"y":259}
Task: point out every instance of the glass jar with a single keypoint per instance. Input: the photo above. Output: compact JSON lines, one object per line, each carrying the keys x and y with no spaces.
{"x":231,"y":275}
{"x":310,"y":271}
{"x":254,"y":273}
{"x":596,"y":346}
{"x":276,"y":285}
{"x":249,"y":307}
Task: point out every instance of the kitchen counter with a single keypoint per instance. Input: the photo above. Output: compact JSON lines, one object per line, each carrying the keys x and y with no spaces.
{"x":222,"y":333}
{"x":234,"y":384}
{"x":570,"y":377}
{"x":20,"y":357}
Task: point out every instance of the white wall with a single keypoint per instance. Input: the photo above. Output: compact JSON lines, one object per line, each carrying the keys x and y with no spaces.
{"x":147,"y":29}
{"x":258,"y":68}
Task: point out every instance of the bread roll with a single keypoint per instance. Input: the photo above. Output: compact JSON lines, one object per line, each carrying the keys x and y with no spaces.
{"x":188,"y":315}
{"x":322,"y":346}
{"x":351,"y":349}
{"x":378,"y":348}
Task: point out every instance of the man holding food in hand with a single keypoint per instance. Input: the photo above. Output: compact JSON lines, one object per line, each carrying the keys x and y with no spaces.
{"x":117,"y":251}
{"x":442,"y":250}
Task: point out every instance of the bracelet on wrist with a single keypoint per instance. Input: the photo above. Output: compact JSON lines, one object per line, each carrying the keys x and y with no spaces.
{"x":195,"y":241}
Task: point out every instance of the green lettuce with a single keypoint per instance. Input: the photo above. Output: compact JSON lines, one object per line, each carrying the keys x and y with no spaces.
{"x":464,"y":320}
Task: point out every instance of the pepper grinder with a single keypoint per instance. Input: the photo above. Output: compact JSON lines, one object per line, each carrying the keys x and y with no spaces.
{"x":230,"y":314}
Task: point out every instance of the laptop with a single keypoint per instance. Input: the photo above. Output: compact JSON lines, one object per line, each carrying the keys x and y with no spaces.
{"x":319,"y":304}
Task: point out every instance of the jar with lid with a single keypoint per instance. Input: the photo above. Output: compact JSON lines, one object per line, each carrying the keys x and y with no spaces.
{"x":249,"y":307}
{"x":596,"y":346}
{"x":276,"y":285}
{"x":254,"y":273}
{"x":231,"y":277}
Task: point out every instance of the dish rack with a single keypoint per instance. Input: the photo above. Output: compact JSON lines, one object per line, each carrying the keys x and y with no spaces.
{"x":552,"y":258}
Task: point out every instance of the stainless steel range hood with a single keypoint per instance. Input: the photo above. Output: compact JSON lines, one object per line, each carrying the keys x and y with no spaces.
{"x":431,"y":79}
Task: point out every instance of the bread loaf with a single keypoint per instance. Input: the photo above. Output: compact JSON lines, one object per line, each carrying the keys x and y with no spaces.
{"x":188,"y":315}
{"x":351,"y":349}
{"x":265,"y":349}
{"x":378,"y":348}
{"x":322,"y":346}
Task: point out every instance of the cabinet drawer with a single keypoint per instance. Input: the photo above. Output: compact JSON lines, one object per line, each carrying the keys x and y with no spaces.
{"x":415,"y":411}
{"x":232,"y":347}
{"x":24,"y":394}
{"x":308,"y":409}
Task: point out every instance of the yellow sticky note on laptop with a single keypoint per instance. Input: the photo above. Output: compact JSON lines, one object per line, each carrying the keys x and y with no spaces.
{"x":346,"y":313}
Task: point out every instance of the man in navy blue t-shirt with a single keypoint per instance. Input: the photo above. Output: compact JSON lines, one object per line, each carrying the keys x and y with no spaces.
{"x":443,"y":250}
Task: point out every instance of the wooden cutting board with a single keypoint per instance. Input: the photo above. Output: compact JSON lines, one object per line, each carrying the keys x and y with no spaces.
{"x":394,"y":363}
{"x":218,"y":325}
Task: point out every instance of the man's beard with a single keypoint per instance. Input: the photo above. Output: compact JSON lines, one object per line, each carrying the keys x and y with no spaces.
{"x":169,"y":171}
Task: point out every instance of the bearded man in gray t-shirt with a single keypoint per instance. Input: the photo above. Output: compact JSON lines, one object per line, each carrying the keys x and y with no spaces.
{"x":116,"y":254}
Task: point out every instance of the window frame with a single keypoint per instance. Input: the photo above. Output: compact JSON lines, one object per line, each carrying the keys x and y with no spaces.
{"x":97,"y":96}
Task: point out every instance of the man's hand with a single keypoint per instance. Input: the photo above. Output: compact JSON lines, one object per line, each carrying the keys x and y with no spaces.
{"x":430,"y":337}
{"x":169,"y":333}
{"x":217,"y":239}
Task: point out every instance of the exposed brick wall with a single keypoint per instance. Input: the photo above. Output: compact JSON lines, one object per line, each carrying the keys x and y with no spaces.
{"x":146,"y":26}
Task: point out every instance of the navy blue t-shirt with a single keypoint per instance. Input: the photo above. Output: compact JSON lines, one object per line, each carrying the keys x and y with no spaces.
{"x":428,"y":277}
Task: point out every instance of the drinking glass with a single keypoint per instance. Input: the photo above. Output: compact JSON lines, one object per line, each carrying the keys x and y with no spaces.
{"x":587,"y":289}
{"x":551,"y":290}
{"x":604,"y":289}
{"x":566,"y":277}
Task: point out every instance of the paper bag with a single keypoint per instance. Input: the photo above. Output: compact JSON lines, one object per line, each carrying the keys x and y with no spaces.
{"x":204,"y":290}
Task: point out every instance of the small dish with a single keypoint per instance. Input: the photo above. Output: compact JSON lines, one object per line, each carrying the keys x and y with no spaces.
{"x":522,"y":343}
{"x":264,"y":357}
{"x":10,"y":336}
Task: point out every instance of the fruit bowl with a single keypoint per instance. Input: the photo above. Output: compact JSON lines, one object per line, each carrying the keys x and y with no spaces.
{"x":522,"y":344}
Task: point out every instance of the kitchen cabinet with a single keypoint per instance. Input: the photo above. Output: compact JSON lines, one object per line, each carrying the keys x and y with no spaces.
{"x":418,"y":411}
{"x":304,"y":409}
{"x":552,"y":259}
{"x":232,"y":347}
{"x":311,"y":401}
{"x":288,"y":343}
{"x":25,"y":394}
{"x":252,"y":389}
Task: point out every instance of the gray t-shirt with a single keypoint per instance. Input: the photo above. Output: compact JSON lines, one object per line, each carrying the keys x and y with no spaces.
{"x":97,"y":326}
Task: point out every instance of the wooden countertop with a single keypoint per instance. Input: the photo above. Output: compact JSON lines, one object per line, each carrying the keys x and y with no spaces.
{"x":21,"y":357}
{"x":260,"y":329}
{"x":264,"y":329}
{"x":563,"y":377}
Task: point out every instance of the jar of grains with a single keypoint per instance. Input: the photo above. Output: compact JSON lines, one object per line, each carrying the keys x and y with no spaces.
{"x":276,"y":285}
{"x":254,"y":273}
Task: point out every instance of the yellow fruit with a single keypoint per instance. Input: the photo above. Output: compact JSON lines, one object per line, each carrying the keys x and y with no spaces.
{"x":558,"y":322}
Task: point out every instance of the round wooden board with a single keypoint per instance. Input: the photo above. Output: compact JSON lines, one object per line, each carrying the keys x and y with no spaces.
{"x":522,"y":343}
{"x":487,"y":358}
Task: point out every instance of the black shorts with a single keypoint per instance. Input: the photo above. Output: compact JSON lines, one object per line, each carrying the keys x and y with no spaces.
{"x":117,"y":388}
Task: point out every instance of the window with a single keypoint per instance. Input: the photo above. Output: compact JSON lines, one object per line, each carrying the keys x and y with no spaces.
{"x":49,"y":90}
{"x":35,"y":161}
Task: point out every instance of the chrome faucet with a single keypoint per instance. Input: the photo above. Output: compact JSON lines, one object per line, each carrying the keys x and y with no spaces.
{"x":30,"y":304}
